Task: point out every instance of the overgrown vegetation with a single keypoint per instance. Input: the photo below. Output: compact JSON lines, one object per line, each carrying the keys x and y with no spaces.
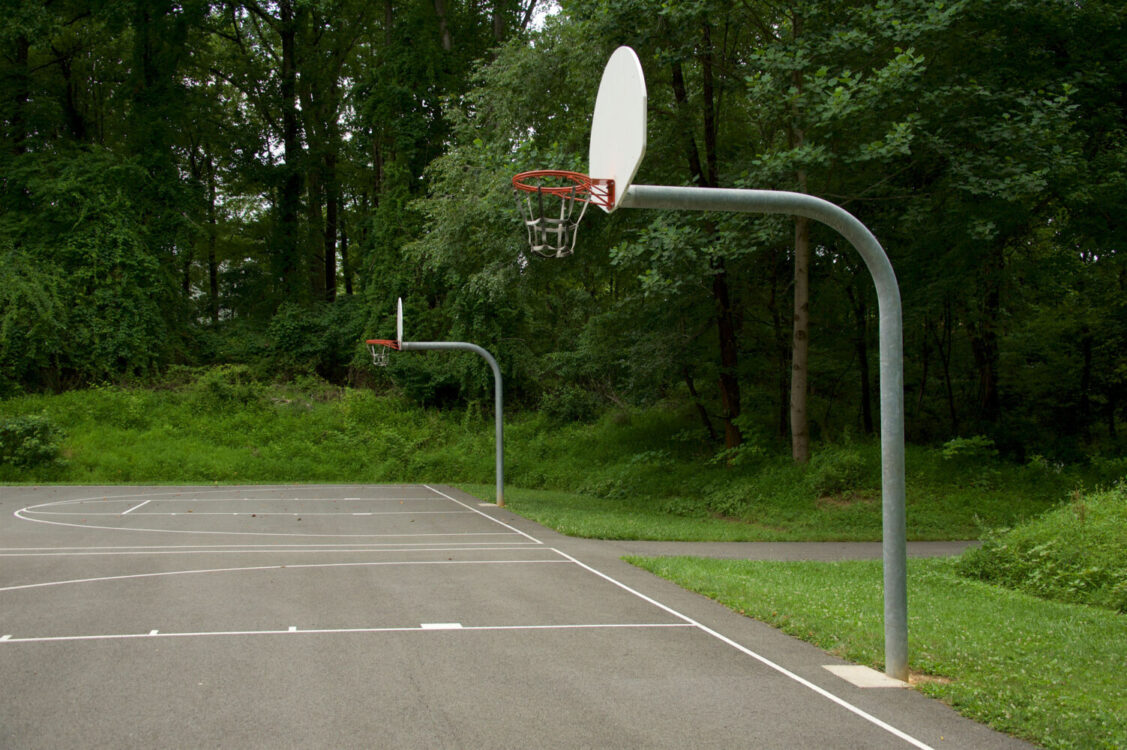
{"x":254,"y":183}
{"x":28,"y":441}
{"x":1075,"y":553}
{"x":1033,"y":668}
{"x":631,"y":473}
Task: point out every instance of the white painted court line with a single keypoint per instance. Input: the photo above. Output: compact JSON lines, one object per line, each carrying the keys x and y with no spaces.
{"x":484,"y":515}
{"x":205,"y":532}
{"x":135,"y":507}
{"x":758,"y":657}
{"x":325,"y":549}
{"x":261,"y":514}
{"x":302,"y":566}
{"x":358,"y":546}
{"x":338,"y":631}
{"x":441,"y":626}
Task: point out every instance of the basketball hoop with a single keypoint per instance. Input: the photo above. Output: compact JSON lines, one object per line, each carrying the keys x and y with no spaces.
{"x":381,"y":350}
{"x":552,"y":233}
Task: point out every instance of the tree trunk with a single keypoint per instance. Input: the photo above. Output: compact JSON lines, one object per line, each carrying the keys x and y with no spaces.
{"x":705,"y":174}
{"x":443,"y":28}
{"x":925,"y":356}
{"x":345,"y":263}
{"x":332,"y":202}
{"x":212,"y":239}
{"x":316,"y":228}
{"x":20,"y":95}
{"x":1085,"y":382}
{"x":703,"y":412}
{"x":729,"y":380}
{"x":944,"y":346}
{"x":288,"y":260}
{"x":799,"y":421}
{"x":800,"y":358}
{"x":861,"y":346}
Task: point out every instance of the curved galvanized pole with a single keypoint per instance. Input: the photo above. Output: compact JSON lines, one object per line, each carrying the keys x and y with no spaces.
{"x":894,"y":534}
{"x":498,"y":407}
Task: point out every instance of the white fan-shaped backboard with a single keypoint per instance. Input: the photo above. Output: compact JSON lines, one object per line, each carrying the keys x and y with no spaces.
{"x":618,"y":127}
{"x":399,"y":321}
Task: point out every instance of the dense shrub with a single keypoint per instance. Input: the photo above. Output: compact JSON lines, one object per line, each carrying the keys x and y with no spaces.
{"x":837,"y":470}
{"x":570,"y":403}
{"x":28,"y":441}
{"x":1076,"y":553}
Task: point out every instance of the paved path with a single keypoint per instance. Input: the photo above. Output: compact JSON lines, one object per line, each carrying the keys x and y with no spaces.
{"x":393,"y":617}
{"x":785,"y":550}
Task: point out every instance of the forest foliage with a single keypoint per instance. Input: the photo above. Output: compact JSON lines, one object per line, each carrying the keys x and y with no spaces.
{"x":254,"y":183}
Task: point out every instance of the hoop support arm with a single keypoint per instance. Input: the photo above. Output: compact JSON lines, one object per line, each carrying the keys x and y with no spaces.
{"x":498,"y":407}
{"x":894,"y":524}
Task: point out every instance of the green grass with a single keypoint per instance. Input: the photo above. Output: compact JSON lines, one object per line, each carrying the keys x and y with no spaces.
{"x":1075,"y":553}
{"x":631,"y":475}
{"x":1046,"y":671}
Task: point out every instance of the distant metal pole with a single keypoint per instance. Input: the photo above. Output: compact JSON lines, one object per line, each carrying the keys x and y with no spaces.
{"x":498,"y":407}
{"x":894,"y":532}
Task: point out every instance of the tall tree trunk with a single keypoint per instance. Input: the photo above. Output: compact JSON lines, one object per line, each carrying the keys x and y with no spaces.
{"x":345,"y":263}
{"x":498,"y":21}
{"x":21,"y":94}
{"x":725,"y":320}
{"x":332,"y":202}
{"x":687,"y":374}
{"x":1085,"y":381}
{"x":212,"y":241}
{"x":288,"y":260}
{"x":800,"y":358}
{"x":443,"y":27}
{"x":784,"y":351}
{"x":729,"y":378}
{"x":984,"y":342}
{"x":925,"y":356}
{"x":316,"y":228}
{"x":861,"y":347}
{"x":944,"y":345}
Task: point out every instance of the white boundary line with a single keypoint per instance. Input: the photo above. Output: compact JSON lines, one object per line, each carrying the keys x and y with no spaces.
{"x":110,"y":552}
{"x":258,"y":513}
{"x":31,"y":509}
{"x":125,"y":513}
{"x":758,"y":657}
{"x":300,"y":566}
{"x":294,"y":630}
{"x":204,"y":532}
{"x":484,"y":515}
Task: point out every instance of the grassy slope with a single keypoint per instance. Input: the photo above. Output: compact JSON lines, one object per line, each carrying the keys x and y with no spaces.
{"x":631,"y":475}
{"x":1047,"y":671}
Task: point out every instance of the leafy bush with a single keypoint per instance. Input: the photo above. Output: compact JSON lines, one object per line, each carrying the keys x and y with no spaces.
{"x":970,"y":450}
{"x":1076,"y":553}
{"x":28,"y":441}
{"x":570,"y":404}
{"x":226,"y":385}
{"x":837,"y":470}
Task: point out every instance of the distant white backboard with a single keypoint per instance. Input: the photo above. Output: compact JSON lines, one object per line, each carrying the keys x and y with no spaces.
{"x":399,"y":322}
{"x":618,"y":127}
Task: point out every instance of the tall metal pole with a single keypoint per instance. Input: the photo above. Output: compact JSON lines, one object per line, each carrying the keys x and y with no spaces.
{"x":498,"y":407}
{"x":894,"y":531}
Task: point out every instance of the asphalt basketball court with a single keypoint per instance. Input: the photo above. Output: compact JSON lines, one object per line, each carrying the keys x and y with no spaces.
{"x":389,"y":616}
